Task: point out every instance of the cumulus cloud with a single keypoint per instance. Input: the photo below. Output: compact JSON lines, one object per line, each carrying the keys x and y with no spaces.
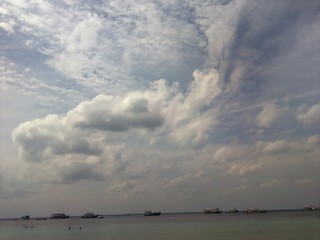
{"x":85,"y":135}
{"x":78,"y":172}
{"x":311,"y":118}
{"x":105,"y":113}
{"x":268,"y":115}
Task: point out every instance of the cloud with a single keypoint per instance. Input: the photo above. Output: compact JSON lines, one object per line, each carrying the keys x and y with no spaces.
{"x":241,"y":188}
{"x":150,"y":112}
{"x":7,"y":27}
{"x":78,"y":172}
{"x":269,"y":184}
{"x":103,"y":113}
{"x":313,"y":141}
{"x":268,"y":115}
{"x":102,"y":44}
{"x":311,"y":119}
{"x":218,"y":26}
{"x":245,"y":168}
{"x":277,"y":147}
{"x":303,"y":182}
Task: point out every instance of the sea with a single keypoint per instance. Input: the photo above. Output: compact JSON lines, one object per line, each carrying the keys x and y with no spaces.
{"x":272,"y":225}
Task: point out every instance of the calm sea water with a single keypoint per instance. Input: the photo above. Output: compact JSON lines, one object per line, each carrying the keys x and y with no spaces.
{"x":225,"y":226}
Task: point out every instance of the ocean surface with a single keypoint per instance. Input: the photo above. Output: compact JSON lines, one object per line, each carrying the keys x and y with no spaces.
{"x":225,"y":226}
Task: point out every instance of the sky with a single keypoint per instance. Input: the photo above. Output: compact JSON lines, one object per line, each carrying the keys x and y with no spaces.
{"x":118,"y":107}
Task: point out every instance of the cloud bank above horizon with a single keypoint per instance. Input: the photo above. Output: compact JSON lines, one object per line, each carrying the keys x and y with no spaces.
{"x":136,"y":103}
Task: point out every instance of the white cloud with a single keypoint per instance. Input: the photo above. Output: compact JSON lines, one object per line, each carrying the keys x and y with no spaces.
{"x":8,"y":26}
{"x":141,"y":114}
{"x":223,"y":154}
{"x":311,"y":119}
{"x":204,"y":88}
{"x":277,"y":147}
{"x":218,"y":23}
{"x":245,"y":168}
{"x":313,"y":141}
{"x":269,"y":114}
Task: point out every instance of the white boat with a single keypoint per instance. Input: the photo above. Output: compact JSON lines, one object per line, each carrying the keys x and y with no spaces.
{"x":311,"y":208}
{"x":233,"y":210}
{"x":89,"y":215}
{"x":58,"y":216}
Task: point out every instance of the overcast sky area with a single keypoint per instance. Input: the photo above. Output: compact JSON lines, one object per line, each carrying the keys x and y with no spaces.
{"x":124,"y":106}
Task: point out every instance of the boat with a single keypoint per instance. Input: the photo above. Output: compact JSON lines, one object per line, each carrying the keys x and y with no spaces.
{"x":152,"y":213}
{"x":212,"y":211}
{"x":58,"y":216}
{"x":311,"y":208}
{"x":100,"y":216}
{"x":232,"y":210}
{"x":255,"y":210}
{"x":89,"y":215}
{"x":26,"y":217}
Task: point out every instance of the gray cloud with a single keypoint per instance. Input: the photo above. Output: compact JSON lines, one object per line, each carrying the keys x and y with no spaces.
{"x":37,"y":140}
{"x":135,"y":114}
{"x":78,"y":172}
{"x":273,"y":40}
{"x":123,"y":122}
{"x":75,"y":146}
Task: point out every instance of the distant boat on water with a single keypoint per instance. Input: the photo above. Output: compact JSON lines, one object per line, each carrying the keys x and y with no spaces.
{"x":212,"y":211}
{"x":152,"y":213}
{"x":310,"y":208}
{"x":255,"y":210}
{"x":232,"y":210}
{"x":89,"y":215}
{"x":26,"y":217}
{"x":58,"y":216}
